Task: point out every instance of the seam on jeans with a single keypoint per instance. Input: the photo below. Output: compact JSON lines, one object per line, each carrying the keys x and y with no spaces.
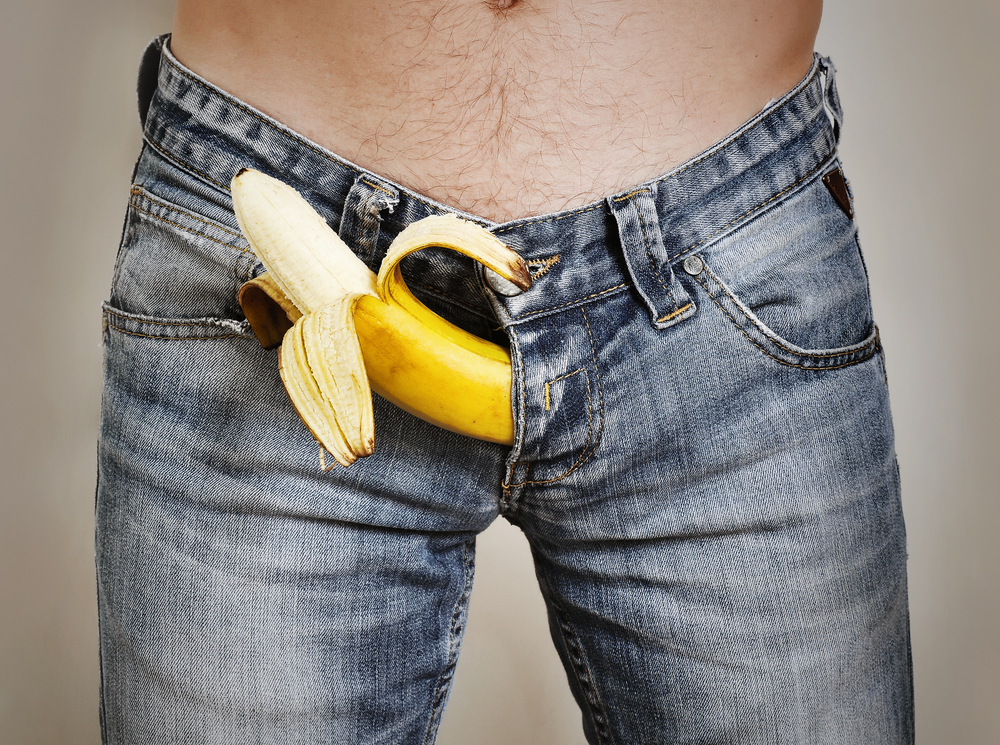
{"x":584,"y":455}
{"x":195,"y":323}
{"x":597,"y":372}
{"x":516,"y":507}
{"x":177,"y":338}
{"x":592,"y":441}
{"x":126,"y":246}
{"x":751,"y":211}
{"x":138,"y":190}
{"x":561,"y":377}
{"x":778,"y":344}
{"x":574,"y":651}
{"x":674,"y":314}
{"x":140,"y":193}
{"x":519,"y":424}
{"x":186,"y":229}
{"x":454,"y":631}
{"x":632,"y":193}
{"x":366,"y":182}
{"x":571,"y":302}
{"x":791,"y":364}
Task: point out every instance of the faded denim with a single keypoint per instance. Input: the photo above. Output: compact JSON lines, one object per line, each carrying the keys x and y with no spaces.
{"x":703,"y":466}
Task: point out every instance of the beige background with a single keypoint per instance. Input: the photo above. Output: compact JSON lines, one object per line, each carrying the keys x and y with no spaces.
{"x":919,"y":84}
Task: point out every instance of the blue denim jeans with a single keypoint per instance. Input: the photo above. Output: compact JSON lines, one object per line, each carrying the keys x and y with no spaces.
{"x":703,"y":466}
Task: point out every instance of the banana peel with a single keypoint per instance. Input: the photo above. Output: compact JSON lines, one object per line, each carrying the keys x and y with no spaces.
{"x":344,"y":332}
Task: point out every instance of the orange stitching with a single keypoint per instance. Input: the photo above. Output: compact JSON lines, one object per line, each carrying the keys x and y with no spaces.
{"x":580,"y":460}
{"x":591,"y":444}
{"x":377,"y":186}
{"x":141,"y":192}
{"x":571,"y":302}
{"x":633,"y":193}
{"x":545,"y":264}
{"x":775,"y":341}
{"x":561,"y":377}
{"x":783,"y":362}
{"x":674,"y":314}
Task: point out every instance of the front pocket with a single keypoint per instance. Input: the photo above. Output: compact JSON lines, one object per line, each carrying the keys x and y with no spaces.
{"x":793,"y":281}
{"x":176,"y":263}
{"x":178,"y":329}
{"x":773,"y":345}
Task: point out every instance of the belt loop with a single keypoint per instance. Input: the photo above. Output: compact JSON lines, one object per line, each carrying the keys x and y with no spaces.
{"x":646,"y":257}
{"x":360,"y":225}
{"x":831,"y":98}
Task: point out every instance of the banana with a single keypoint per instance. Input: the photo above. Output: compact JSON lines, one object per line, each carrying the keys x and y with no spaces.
{"x":345,"y":332}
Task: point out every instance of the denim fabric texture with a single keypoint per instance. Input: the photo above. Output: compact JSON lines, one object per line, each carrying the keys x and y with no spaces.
{"x":703,"y":466}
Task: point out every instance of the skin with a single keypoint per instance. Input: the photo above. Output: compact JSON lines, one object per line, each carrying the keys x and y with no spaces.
{"x":504,"y":108}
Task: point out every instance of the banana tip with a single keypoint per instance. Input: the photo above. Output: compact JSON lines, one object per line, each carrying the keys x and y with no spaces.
{"x":521,"y":276}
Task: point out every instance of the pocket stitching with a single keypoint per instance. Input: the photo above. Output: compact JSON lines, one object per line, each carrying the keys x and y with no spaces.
{"x":176,"y":338}
{"x":186,"y":229}
{"x":221,"y":324}
{"x":850,"y":349}
{"x":592,"y":441}
{"x":864,"y":347}
{"x":140,"y":191}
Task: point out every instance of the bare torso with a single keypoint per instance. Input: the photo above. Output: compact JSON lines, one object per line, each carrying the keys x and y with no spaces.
{"x":504,"y":109}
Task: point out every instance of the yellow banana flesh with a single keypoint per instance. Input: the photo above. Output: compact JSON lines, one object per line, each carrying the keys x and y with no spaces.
{"x":343,"y":330}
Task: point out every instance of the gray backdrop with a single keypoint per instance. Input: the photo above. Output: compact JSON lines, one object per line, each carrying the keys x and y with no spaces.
{"x":919,"y":84}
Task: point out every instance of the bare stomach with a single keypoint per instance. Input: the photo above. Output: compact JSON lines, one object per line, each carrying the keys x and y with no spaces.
{"x":504,"y":109}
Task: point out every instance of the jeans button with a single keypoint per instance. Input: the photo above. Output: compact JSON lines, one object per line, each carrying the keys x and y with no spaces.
{"x":693,"y":265}
{"x":500,"y":285}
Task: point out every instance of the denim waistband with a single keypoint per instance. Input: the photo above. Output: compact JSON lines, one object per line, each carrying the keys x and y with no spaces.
{"x":629,"y":238}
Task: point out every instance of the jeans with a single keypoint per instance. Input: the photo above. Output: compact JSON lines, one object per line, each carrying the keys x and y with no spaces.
{"x":703,"y":465}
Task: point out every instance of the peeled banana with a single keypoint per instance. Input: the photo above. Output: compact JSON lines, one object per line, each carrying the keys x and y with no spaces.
{"x":343,"y":331}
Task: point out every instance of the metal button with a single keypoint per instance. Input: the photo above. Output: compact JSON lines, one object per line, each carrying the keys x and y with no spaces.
{"x":500,"y":285}
{"x":693,"y":265}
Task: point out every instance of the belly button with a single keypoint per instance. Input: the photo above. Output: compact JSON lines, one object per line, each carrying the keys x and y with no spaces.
{"x":504,"y":4}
